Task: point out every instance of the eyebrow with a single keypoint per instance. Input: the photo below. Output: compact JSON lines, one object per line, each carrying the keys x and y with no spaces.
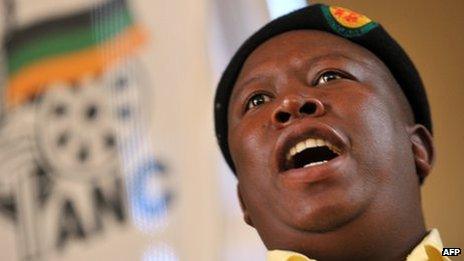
{"x":260,"y":72}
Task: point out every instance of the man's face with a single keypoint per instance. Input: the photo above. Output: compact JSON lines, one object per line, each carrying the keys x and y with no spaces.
{"x":318,"y":132}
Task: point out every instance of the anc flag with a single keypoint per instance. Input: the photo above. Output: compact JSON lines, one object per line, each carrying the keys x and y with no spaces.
{"x":67,"y":49}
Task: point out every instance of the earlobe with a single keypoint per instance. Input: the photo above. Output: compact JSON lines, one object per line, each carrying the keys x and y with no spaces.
{"x":423,"y":150}
{"x":246,"y":215}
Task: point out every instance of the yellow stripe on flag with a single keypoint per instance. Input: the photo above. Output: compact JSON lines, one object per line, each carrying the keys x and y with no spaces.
{"x":35,"y":78}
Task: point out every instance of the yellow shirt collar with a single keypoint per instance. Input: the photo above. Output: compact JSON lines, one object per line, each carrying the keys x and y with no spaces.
{"x":427,"y":250}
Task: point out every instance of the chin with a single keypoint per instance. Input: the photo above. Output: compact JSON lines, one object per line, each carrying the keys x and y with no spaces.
{"x":324,"y":220}
{"x":326,"y":212}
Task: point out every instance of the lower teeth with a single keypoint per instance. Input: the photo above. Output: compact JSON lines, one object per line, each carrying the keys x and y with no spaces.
{"x":314,"y":164}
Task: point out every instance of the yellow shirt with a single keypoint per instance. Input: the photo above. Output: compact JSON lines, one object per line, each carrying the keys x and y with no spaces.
{"x":428,"y":250}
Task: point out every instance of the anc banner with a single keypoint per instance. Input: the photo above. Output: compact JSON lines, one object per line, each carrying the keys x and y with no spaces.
{"x":76,"y":157}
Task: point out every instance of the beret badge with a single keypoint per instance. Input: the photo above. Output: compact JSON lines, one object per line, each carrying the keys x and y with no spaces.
{"x":346,"y":22}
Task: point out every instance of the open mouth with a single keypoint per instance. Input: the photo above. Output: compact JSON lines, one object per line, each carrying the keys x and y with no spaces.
{"x":310,"y":152}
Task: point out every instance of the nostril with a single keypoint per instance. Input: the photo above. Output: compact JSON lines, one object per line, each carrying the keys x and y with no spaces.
{"x":282,"y":116}
{"x":308,"y":108}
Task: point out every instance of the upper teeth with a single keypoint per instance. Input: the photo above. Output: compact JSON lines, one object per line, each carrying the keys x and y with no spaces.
{"x":310,"y":143}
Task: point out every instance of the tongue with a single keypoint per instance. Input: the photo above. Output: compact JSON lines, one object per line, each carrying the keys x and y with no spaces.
{"x":312,"y":155}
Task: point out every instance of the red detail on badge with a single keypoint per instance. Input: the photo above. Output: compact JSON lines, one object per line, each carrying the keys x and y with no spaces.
{"x":352,"y":17}
{"x":339,"y":12}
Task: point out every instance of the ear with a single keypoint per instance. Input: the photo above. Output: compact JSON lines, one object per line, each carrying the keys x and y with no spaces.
{"x":423,"y":149}
{"x":246,"y":215}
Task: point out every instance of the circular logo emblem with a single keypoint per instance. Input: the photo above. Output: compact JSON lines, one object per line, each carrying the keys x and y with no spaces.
{"x":347,"y":23}
{"x":349,"y":18}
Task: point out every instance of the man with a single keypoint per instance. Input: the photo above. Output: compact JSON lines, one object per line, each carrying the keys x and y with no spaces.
{"x":325,"y":122}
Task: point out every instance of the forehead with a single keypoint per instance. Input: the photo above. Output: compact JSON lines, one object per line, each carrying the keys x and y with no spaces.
{"x":293,"y":48}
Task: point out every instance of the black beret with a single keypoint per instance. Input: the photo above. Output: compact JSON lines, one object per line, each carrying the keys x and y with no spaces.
{"x":339,"y":21}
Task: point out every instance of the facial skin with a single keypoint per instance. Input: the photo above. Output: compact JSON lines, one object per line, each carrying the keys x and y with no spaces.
{"x":365,"y":203}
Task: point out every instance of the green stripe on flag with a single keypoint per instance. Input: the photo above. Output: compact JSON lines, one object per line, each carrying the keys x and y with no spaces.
{"x":60,"y":43}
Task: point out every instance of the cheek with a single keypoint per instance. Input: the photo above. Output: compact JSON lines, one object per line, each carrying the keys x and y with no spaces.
{"x":250,"y":145}
{"x":384,"y":128}
{"x":379,"y":140}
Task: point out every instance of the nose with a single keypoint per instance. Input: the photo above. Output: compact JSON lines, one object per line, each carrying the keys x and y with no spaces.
{"x":295,"y":107}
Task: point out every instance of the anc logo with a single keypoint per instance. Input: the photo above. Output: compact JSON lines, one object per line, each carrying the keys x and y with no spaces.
{"x":347,"y":22}
{"x":348,"y":18}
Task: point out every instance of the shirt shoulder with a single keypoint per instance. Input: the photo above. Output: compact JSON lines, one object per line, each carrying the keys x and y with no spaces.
{"x":429,"y":249}
{"x":281,"y":255}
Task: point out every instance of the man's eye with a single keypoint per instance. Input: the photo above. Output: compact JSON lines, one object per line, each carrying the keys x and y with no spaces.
{"x":329,"y":76}
{"x":257,"y":100}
